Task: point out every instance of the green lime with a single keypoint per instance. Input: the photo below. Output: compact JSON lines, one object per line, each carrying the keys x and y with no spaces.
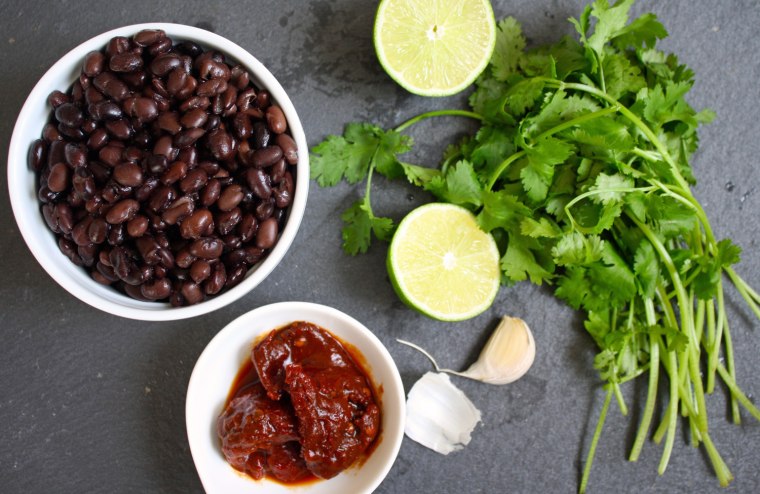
{"x":434,"y":47}
{"x":442,"y":264}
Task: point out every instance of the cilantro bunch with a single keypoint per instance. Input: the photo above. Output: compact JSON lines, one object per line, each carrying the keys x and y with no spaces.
{"x":580,"y":170}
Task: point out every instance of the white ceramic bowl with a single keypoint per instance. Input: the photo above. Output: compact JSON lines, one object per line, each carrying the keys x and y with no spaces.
{"x":220,"y":362}
{"x":41,"y":241}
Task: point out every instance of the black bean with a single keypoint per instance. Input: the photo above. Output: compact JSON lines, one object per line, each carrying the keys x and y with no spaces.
{"x":69,"y":115}
{"x":57,"y":98}
{"x":105,"y":110}
{"x":73,"y":133}
{"x":122,"y":211}
{"x":128,"y":173}
{"x":236,"y":275}
{"x":97,"y":232}
{"x":211,"y":87}
{"x":289,"y":148}
{"x":267,"y":156}
{"x":147,"y":37}
{"x":261,"y":135}
{"x":37,"y":155}
{"x":110,"y":85}
{"x":200,"y":270}
{"x":119,"y":129}
{"x":194,"y":118}
{"x":178,"y":210}
{"x":216,"y":280}
{"x":230,"y":197}
{"x":220,"y":144}
{"x":98,"y":138}
{"x":192,"y":293}
{"x":176,"y":80}
{"x":226,"y":221}
{"x":60,"y":175}
{"x":125,"y":62}
{"x":277,"y":172}
{"x":176,"y":171}
{"x":259,"y":182}
{"x":207,"y":248}
{"x":169,"y":121}
{"x":193,"y":181}
{"x":137,"y":226}
{"x":210,"y":193}
{"x":117,"y":44}
{"x":276,"y":119}
{"x":165,"y":63}
{"x":267,"y":234}
{"x":196,"y":224}
{"x":158,"y":289}
{"x":248,"y":227}
{"x":187,"y":138}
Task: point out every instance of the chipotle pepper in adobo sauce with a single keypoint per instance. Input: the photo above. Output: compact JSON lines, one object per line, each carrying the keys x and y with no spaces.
{"x":303,"y":407}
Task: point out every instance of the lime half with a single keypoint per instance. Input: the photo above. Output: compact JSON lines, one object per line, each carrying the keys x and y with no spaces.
{"x":434,"y":47}
{"x":442,"y":264}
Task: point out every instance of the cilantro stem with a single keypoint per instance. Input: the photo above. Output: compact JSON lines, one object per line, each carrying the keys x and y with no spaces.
{"x":729,"y":361}
{"x":669,"y":422}
{"x":595,"y":441}
{"x":502,"y":167}
{"x":721,"y":469}
{"x":438,"y":113}
{"x":710,"y":344}
{"x":687,"y":321}
{"x":547,"y":133}
{"x":737,"y":280}
{"x":735,"y":391}
{"x":742,"y":287}
{"x":646,"y":418}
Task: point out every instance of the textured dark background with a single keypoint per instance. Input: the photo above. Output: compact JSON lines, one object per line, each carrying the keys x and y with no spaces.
{"x":94,"y":403}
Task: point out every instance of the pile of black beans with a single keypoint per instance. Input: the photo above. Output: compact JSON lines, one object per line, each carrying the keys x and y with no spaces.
{"x":163,"y":170}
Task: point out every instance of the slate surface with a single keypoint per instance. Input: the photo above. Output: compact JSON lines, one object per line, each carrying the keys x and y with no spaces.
{"x":94,"y":403}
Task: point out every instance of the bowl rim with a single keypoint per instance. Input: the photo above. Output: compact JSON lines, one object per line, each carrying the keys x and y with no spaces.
{"x":86,"y":289}
{"x":290,"y":311}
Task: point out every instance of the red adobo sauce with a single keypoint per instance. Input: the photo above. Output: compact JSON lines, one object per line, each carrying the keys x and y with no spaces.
{"x":302,"y":408}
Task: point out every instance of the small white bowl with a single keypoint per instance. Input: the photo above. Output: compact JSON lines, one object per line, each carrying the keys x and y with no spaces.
{"x":220,"y":362}
{"x":41,"y":241}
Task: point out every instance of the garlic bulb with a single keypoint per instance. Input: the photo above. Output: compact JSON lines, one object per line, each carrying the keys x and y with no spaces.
{"x":506,"y":357}
{"x":439,"y":415}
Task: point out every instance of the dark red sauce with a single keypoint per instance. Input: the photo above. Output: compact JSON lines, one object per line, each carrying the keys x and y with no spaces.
{"x":302,"y":408}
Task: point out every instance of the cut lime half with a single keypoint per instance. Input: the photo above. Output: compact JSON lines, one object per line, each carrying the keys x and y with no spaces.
{"x":442,"y":264}
{"x":434,"y":47}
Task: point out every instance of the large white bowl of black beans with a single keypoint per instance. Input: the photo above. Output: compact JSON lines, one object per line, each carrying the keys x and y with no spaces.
{"x":158,"y":172}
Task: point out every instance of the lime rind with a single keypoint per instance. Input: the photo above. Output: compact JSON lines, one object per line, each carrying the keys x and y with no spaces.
{"x":444,"y":291}
{"x":421,"y":66}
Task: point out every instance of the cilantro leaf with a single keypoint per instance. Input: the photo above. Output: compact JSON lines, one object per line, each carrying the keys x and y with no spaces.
{"x":419,"y":175}
{"x":544,"y":227}
{"x":610,"y":188}
{"x":521,"y":260}
{"x":359,"y":226}
{"x":349,"y":156}
{"x":501,"y":210}
{"x":508,"y":50}
{"x":610,"y":23}
{"x":646,"y":268}
{"x":458,"y":186}
{"x":540,"y":161}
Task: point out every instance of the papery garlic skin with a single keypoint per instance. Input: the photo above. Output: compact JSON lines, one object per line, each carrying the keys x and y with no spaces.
{"x":507,"y":355}
{"x":439,"y":415}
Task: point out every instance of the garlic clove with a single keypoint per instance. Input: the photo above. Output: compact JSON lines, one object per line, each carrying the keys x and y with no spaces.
{"x":507,"y":355}
{"x":439,"y":415}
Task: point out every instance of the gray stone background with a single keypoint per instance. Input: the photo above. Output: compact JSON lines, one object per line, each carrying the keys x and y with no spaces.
{"x":94,"y":403}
